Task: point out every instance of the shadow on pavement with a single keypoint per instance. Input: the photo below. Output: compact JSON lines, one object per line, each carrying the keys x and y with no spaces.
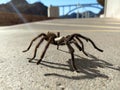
{"x":88,"y":67}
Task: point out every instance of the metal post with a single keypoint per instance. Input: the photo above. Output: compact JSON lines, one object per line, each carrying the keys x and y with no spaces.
{"x":78,"y":5}
{"x":63,"y":10}
{"x":69,"y":8}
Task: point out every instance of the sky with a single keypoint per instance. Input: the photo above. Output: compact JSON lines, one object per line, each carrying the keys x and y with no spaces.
{"x":62,"y":2}
{"x":56,"y":2}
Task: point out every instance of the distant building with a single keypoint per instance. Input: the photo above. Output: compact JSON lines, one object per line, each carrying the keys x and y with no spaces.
{"x":53,"y":11}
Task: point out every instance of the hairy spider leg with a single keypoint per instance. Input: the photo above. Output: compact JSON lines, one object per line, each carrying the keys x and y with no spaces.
{"x":42,"y":34}
{"x":76,"y":44}
{"x":58,"y":35}
{"x":36,"y":49}
{"x":87,"y":39}
{"x":82,"y":45}
{"x":95,"y":45}
{"x":45,"y":49}
{"x":72,"y":56}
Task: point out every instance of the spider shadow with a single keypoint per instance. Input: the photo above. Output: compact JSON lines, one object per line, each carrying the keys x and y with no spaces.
{"x":52,"y":65}
{"x":87,"y":67}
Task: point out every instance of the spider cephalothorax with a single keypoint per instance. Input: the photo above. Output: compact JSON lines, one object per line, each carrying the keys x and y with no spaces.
{"x":55,"y":39}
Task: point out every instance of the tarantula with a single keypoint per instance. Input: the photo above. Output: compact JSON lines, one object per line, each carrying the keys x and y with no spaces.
{"x":57,"y":40}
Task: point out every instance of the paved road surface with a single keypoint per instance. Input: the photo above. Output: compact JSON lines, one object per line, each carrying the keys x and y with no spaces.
{"x":101,"y":71}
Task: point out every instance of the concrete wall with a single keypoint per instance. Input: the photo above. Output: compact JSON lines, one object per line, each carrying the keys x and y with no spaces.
{"x":53,"y":11}
{"x":112,"y":8}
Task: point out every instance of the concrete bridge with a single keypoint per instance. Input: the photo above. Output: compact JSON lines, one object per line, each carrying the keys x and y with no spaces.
{"x":111,"y":8}
{"x":55,"y":11}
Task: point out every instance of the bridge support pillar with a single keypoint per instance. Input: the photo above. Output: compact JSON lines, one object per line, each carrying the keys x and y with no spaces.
{"x":112,"y":8}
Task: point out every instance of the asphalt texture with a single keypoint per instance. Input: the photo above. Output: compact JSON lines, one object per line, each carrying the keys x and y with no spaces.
{"x":99,"y":71}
